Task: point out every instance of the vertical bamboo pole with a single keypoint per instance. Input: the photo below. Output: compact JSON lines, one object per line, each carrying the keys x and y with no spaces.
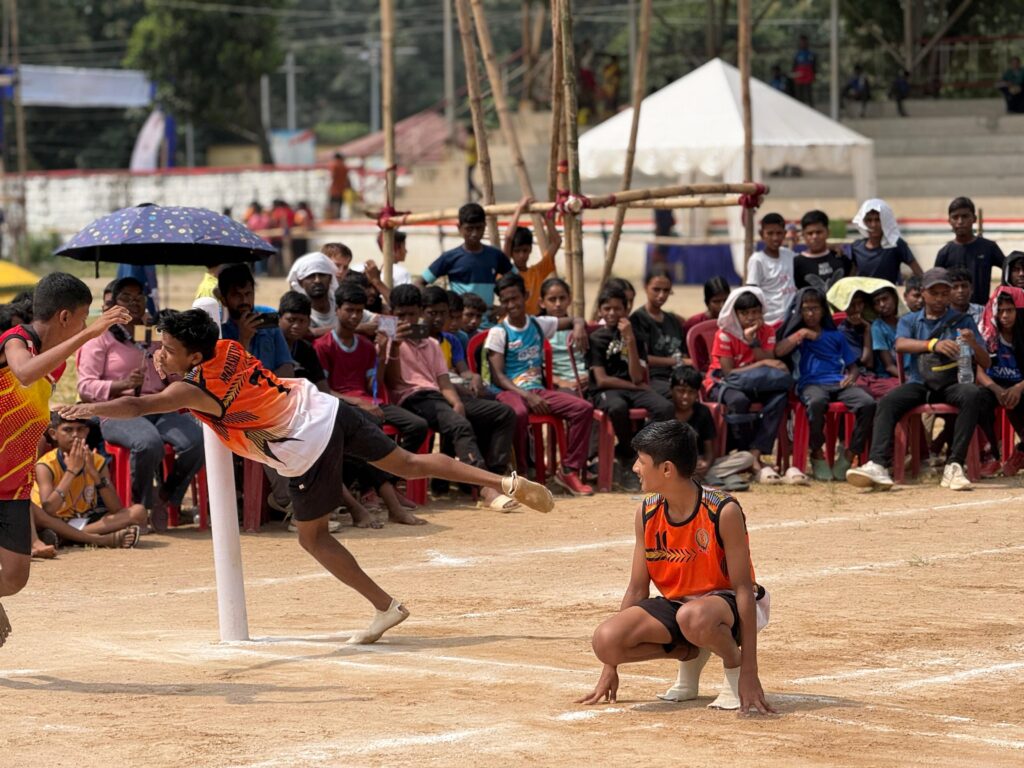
{"x":527,"y":59}
{"x":639,"y":87}
{"x":387,"y":51}
{"x":557,"y":101}
{"x":748,"y":127}
{"x":20,"y":228}
{"x":504,"y":117}
{"x":476,"y":110}
{"x":572,"y":222}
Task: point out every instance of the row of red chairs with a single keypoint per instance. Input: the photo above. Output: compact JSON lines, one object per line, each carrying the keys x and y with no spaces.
{"x":122,"y":476}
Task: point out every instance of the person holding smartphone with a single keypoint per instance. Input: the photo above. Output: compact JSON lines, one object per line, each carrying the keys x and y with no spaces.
{"x":254,"y":327}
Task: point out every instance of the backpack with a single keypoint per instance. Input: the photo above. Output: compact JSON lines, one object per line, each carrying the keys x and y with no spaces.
{"x":936,"y":369}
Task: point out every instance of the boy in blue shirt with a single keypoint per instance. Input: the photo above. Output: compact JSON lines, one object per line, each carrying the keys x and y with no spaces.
{"x":515,"y":351}
{"x":472,"y":267}
{"x":935,"y":328}
{"x":828,"y":370}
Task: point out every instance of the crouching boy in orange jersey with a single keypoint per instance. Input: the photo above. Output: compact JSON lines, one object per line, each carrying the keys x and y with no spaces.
{"x":691,"y":541}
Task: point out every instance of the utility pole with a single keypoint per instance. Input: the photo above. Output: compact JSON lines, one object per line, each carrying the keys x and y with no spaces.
{"x":833,"y":60}
{"x":289,"y":74}
{"x":449,"y":69}
{"x":20,"y":226}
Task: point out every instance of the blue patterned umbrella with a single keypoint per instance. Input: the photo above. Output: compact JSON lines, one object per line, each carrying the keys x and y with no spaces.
{"x":151,"y":234}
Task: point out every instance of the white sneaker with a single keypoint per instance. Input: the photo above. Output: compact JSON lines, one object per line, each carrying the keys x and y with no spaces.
{"x":729,"y":697}
{"x":870,"y":475}
{"x":688,"y":681}
{"x":944,"y":482}
{"x":382,"y":622}
{"x":957,"y":479}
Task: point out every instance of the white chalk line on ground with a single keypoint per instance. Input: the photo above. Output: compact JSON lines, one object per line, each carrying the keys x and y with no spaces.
{"x":879,"y":728}
{"x":439,"y":559}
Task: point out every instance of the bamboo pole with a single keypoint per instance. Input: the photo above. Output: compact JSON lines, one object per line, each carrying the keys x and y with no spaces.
{"x":748,"y":128}
{"x":476,"y":110}
{"x":387,"y":51}
{"x":639,"y":87}
{"x":504,"y":117}
{"x":572,"y":220}
{"x":557,"y":100}
{"x":656,"y":197}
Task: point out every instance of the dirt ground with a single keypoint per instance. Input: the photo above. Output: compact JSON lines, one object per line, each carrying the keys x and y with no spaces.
{"x":896,"y":638}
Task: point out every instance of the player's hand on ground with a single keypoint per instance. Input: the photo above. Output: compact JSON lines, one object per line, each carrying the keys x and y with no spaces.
{"x":76,"y":412}
{"x":752,"y":696}
{"x":113,"y":316}
{"x":606,"y":690}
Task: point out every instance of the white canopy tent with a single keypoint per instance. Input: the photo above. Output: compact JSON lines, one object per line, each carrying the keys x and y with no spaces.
{"x":694,"y":127}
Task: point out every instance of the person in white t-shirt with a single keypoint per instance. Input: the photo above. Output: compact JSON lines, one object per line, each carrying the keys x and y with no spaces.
{"x":400,"y":275}
{"x":771,"y":269}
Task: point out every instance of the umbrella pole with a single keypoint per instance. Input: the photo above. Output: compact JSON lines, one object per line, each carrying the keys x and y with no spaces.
{"x":573,"y":221}
{"x":557,"y":121}
{"x":476,"y":111}
{"x":227,"y":545}
{"x":387,"y":49}
{"x":504,"y":117}
{"x":748,"y":129}
{"x":639,"y":86}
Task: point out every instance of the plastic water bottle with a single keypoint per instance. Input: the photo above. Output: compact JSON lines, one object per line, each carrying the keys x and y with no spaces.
{"x":965,"y":366}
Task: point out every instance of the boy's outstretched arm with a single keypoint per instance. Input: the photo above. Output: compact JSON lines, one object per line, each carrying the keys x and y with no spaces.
{"x":733,"y":530}
{"x":28,"y":368}
{"x":513,"y":223}
{"x":178,"y":395}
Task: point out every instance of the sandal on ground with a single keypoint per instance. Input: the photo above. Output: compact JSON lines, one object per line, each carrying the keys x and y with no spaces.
{"x":822,"y":471}
{"x":794,"y":476}
{"x":500,"y":503}
{"x":127,"y":538}
{"x":768,"y":476}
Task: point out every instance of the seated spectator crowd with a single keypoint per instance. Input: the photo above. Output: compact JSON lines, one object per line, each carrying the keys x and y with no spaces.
{"x":497,"y":372}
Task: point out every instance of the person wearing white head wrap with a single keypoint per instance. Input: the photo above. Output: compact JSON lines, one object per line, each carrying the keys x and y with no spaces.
{"x":315,"y":276}
{"x":881,"y":250}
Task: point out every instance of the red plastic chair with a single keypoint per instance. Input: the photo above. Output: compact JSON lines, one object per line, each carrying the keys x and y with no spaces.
{"x":121,"y":473}
{"x":837,"y":412}
{"x":699,"y":340}
{"x":537,"y":422}
{"x":909,"y":437}
{"x":255,"y":488}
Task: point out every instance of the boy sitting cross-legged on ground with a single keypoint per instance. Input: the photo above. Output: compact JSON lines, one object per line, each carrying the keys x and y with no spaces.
{"x":692,"y":542}
{"x":515,"y":349}
{"x":73,"y":495}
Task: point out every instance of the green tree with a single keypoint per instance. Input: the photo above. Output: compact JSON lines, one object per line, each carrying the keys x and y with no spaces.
{"x":207,"y":63}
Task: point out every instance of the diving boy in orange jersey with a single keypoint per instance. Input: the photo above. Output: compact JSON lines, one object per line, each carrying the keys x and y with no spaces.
{"x":303,"y":433}
{"x":692,"y":543}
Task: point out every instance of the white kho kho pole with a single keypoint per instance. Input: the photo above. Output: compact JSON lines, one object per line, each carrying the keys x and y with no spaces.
{"x":227,"y":545}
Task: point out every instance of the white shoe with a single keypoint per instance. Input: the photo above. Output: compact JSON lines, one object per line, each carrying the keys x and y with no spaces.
{"x":944,"y":482}
{"x":957,"y":479}
{"x":729,"y":698}
{"x":382,"y":622}
{"x":870,"y":475}
{"x":688,"y":680}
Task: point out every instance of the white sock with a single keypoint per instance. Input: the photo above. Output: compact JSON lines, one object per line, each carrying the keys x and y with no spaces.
{"x":729,"y":698}
{"x":382,"y":622}
{"x":688,"y":681}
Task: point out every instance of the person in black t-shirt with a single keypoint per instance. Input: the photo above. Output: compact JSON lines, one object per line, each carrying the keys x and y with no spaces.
{"x":819,"y":259}
{"x":295,"y":312}
{"x":977,"y":255}
{"x":712,"y":469}
{"x":618,"y":380}
{"x":659,"y":331}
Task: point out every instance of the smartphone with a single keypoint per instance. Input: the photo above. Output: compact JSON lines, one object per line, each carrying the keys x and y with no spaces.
{"x":387,"y":324}
{"x":268,"y":319}
{"x":419,"y":331}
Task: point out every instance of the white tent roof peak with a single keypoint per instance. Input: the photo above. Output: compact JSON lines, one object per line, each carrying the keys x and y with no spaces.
{"x":695,"y":125}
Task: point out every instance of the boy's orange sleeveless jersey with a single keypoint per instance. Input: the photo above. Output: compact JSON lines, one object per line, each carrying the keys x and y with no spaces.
{"x":24,"y":417}
{"x":284,"y":423}
{"x":687,"y":560}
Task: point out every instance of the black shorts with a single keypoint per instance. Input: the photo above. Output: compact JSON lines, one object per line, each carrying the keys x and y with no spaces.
{"x":664,"y":610}
{"x":318,"y":492}
{"x":16,"y":526}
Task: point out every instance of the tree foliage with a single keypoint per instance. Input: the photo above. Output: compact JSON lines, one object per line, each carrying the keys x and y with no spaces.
{"x":207,"y":64}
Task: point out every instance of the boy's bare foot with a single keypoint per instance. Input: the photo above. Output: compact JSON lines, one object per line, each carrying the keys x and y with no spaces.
{"x":361,"y":518}
{"x":406,"y":502}
{"x":43,"y":551}
{"x":5,"y":625}
{"x":403,"y":517}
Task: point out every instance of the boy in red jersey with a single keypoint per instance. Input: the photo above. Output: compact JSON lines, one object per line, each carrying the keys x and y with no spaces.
{"x":303,"y":433}
{"x":692,"y":543}
{"x":31,"y":362}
